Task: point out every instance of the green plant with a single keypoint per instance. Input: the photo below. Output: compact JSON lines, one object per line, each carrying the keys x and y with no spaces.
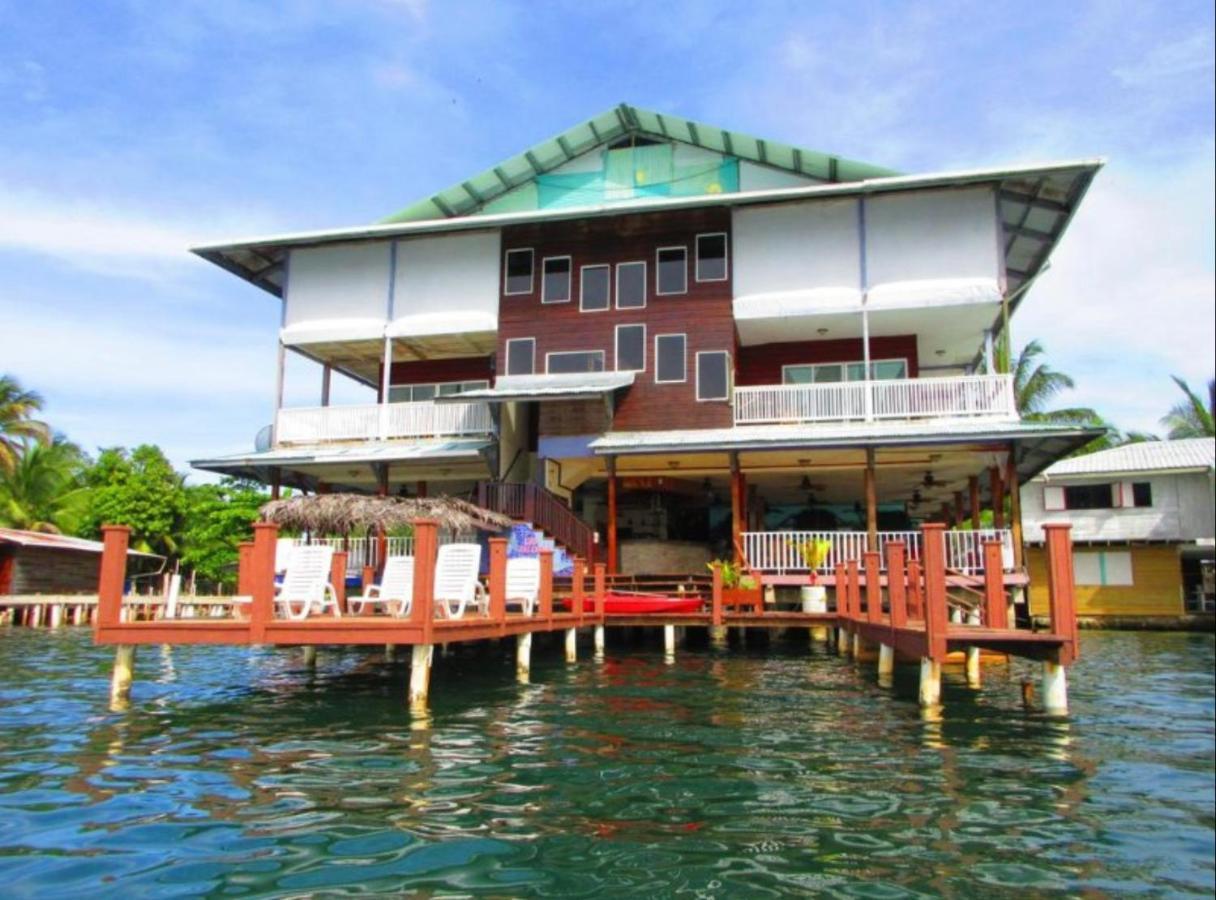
{"x":732,"y":573}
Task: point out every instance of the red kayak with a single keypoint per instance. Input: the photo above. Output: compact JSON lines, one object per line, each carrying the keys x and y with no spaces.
{"x":620,"y":604}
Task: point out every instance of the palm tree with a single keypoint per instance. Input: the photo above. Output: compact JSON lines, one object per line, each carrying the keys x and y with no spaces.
{"x":45,"y":489}
{"x":1036,"y":384}
{"x":17,"y":428}
{"x":1191,"y":418}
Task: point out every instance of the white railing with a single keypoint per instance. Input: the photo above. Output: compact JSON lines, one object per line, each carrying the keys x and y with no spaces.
{"x":911,"y":398}
{"x":364,"y":550}
{"x":779,"y":553}
{"x":382,"y":421}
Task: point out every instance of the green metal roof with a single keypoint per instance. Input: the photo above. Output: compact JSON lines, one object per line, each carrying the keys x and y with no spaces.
{"x":472,"y":196}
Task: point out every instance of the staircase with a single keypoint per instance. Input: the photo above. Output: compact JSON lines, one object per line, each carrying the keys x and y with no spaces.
{"x":544,"y":521}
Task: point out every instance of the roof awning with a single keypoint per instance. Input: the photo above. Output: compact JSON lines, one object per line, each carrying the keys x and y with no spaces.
{"x":59,"y":542}
{"x":571,"y":386}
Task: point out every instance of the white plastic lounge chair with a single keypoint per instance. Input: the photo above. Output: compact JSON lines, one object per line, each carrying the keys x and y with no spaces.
{"x":282,"y":553}
{"x":523,"y":583}
{"x":306,"y":589}
{"x":456,"y":584}
{"x":395,"y":592}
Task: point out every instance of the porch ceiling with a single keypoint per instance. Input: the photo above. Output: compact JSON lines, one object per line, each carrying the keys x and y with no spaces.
{"x":361,"y":360}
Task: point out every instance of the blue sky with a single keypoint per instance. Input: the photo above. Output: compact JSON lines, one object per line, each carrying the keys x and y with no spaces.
{"x":130,"y":131}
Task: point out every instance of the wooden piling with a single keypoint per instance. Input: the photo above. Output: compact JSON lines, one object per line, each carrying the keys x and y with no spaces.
{"x":523,"y":656}
{"x":122,"y":676}
{"x":420,"y":674}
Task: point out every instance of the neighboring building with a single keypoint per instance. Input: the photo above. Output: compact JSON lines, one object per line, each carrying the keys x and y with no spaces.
{"x":696,"y":339}
{"x":35,"y":563}
{"x":1143,"y":522}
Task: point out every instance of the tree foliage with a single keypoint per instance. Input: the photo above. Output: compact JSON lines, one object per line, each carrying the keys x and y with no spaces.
{"x":140,"y":489}
{"x":18,"y":427}
{"x":1191,"y":417}
{"x":216,"y":518}
{"x":1036,"y":385}
{"x":45,"y":489}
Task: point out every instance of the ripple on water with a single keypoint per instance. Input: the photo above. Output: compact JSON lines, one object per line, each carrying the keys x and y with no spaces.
{"x":238,"y":772}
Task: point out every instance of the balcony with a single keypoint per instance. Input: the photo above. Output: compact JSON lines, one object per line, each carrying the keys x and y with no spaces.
{"x":382,"y":421}
{"x":961,"y":397}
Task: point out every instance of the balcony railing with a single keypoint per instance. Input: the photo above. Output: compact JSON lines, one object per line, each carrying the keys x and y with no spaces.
{"x":779,"y":552}
{"x":382,"y":421}
{"x":964,"y":396}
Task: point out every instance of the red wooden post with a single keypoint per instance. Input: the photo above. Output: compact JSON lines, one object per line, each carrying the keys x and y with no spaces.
{"x":1061,"y":589}
{"x":545,"y":597}
{"x":244,"y":569}
{"x":916,"y":606}
{"x":995,"y":611}
{"x":112,"y":575}
{"x":426,"y":546}
{"x":716,"y":598}
{"x":261,"y":606}
{"x":936,"y":616}
{"x":337,"y":578}
{"x":842,"y":591}
{"x":873,"y":587}
{"x":498,"y":579}
{"x":368,"y":579}
{"x":998,"y":497}
{"x":381,"y":549}
{"x":612,"y":550}
{"x":600,"y":590}
{"x":578,"y":585}
{"x":896,"y":589}
{"x":854,"y":590}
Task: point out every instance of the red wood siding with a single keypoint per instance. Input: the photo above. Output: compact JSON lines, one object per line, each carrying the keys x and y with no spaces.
{"x":437,"y":371}
{"x":761,"y":363}
{"x":704,"y":313}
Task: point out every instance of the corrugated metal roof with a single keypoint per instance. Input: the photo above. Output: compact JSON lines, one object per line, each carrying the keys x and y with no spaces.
{"x":324,"y":454}
{"x":1194,"y":454}
{"x":546,"y":387}
{"x":56,"y":542}
{"x":621,"y":122}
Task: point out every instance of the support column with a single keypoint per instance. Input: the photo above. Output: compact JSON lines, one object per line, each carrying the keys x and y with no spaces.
{"x":326,"y":378}
{"x":736,"y":507}
{"x":610,"y":465}
{"x":998,"y":497}
{"x":843,"y":643}
{"x":1015,"y":511}
{"x":1055,"y":689}
{"x":669,"y":640}
{"x":523,"y":656}
{"x":276,"y":483}
{"x":886,"y":659}
{"x":122,"y":676}
{"x":390,"y":653}
{"x":310,"y":656}
{"x":599,"y":641}
{"x":420,"y":674}
{"x":871,"y":491}
{"x":973,"y":488}
{"x":973,"y":654}
{"x":930,"y":683}
{"x":571,"y":645}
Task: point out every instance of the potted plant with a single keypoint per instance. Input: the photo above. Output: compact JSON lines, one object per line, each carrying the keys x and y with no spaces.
{"x":738,"y":589}
{"x":814,"y":554}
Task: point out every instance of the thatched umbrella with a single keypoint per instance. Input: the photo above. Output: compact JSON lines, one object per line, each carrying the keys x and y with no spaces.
{"x":344,"y":513}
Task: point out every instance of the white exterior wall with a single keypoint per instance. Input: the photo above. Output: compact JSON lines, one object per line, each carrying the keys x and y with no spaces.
{"x":1182,"y":511}
{"x":446,"y":285}
{"x":336,"y":293}
{"x":755,"y":177}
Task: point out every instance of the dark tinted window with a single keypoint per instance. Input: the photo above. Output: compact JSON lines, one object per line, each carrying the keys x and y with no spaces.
{"x":1142,"y":493}
{"x":711,"y":257}
{"x":520,"y":356}
{"x":631,"y":285}
{"x":669,"y":358}
{"x":1088,"y":496}
{"x":557,"y":280}
{"x":673,"y":271}
{"x":595,"y":281}
{"x":631,"y":348}
{"x":713,"y":376}
{"x":519,"y":272}
{"x":583,"y":361}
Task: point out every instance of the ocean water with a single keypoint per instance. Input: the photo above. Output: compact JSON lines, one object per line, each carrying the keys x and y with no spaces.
{"x":773,"y":770}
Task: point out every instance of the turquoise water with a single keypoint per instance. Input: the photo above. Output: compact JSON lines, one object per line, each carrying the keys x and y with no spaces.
{"x":755,"y":772}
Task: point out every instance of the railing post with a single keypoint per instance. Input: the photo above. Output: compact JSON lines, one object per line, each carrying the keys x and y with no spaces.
{"x":1061,"y":589}
{"x":873,"y":587}
{"x":578,"y":584}
{"x":244,"y":569}
{"x":717,"y":618}
{"x":600,"y":589}
{"x":261,"y":605}
{"x":498,"y":579}
{"x":842,"y":590}
{"x":545,"y":596}
{"x":936,"y":615}
{"x":854,"y":582}
{"x":368,"y":578}
{"x":916,"y":607}
{"x":337,"y":578}
{"x":426,"y":546}
{"x":112,"y":575}
{"x":995,"y":612}
{"x":896,"y":589}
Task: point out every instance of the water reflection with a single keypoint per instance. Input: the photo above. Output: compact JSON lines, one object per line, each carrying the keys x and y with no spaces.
{"x":758,"y":771}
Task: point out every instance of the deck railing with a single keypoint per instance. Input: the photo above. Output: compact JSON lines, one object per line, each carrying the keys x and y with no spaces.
{"x":543,"y":509}
{"x":963,"y":396}
{"x":382,"y":421}
{"x":777,"y":552}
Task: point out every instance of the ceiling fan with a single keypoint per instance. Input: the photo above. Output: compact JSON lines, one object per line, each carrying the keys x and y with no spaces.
{"x":917,"y":499}
{"x":929,"y":481}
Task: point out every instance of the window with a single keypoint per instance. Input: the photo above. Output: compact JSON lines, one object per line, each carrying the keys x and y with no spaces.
{"x":669,"y":362}
{"x":459,"y":387}
{"x":555,"y":286}
{"x":518,"y":276}
{"x":631,"y":285}
{"x":1142,"y":493}
{"x":672,"y":263}
{"x":1088,"y":496}
{"x":711,"y":257}
{"x":1106,"y":568}
{"x":571,"y":361}
{"x":595,"y":288}
{"x":521,"y":356}
{"x":832,"y":373}
{"x":418,"y":393}
{"x":631,"y":348}
{"x":713,"y":375}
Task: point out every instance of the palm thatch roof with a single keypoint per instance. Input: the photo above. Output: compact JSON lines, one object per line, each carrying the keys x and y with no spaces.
{"x":346,"y":513}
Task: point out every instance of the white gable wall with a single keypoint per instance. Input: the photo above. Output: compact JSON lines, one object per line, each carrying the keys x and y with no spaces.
{"x":755,"y":177}
{"x":336,"y":293}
